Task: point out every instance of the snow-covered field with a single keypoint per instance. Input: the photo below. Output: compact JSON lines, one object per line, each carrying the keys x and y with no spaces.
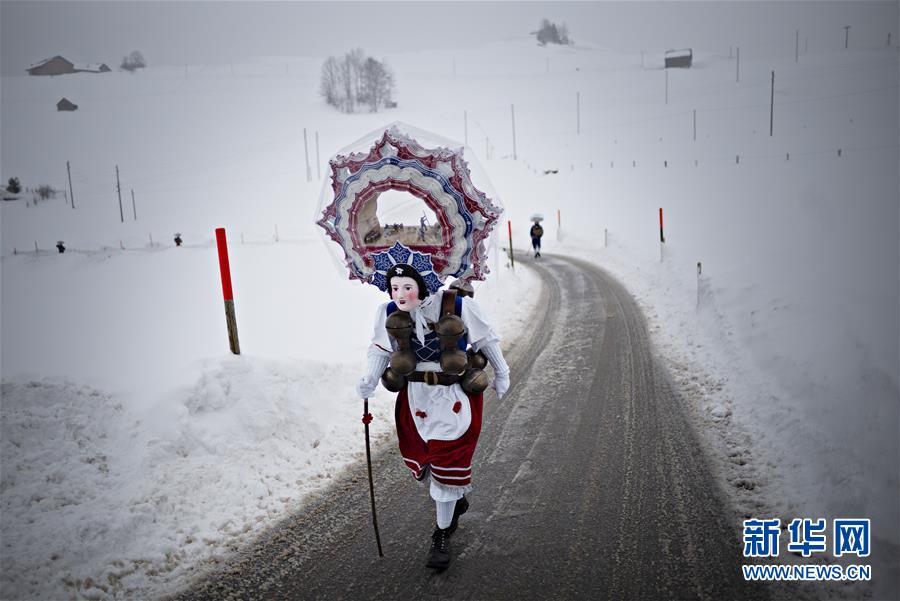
{"x":134,"y":445}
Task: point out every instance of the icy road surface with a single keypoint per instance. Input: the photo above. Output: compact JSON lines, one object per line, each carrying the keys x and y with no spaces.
{"x":589,"y":483}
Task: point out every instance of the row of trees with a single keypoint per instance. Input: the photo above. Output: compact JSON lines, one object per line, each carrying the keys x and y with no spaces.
{"x":355,"y":80}
{"x":44,"y":191}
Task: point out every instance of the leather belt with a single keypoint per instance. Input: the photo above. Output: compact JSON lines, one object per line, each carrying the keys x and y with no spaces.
{"x":433,"y":378}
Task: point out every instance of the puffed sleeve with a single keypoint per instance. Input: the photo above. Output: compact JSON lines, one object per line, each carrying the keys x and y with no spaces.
{"x":480,"y":331}
{"x":381,"y":341}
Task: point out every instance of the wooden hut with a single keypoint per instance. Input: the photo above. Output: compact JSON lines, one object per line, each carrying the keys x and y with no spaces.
{"x":679,"y":58}
{"x":66,"y":105}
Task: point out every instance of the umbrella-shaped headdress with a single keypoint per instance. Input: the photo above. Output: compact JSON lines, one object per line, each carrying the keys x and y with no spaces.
{"x":440,"y":177}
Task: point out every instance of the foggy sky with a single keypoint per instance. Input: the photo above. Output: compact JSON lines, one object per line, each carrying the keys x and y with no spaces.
{"x":178,"y":33}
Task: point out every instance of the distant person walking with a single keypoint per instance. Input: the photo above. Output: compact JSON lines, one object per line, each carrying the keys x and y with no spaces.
{"x":536,"y":232}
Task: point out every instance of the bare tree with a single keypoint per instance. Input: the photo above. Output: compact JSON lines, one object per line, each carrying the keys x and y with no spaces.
{"x":46,"y":191}
{"x":353,"y":80}
{"x":377,"y":83}
{"x":551,"y":33}
{"x":347,"y":87}
{"x":330,"y":86}
{"x":356,"y":58}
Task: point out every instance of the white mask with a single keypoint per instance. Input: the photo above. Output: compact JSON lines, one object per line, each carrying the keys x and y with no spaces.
{"x":405,"y":292}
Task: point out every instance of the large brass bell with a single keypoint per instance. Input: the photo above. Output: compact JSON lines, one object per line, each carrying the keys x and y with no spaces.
{"x":453,"y":361}
{"x":463,"y":288}
{"x":449,"y":328}
{"x":477,"y":360}
{"x":403,"y":362}
{"x":474,"y":381}
{"x":392,"y":381}
{"x":399,"y":326}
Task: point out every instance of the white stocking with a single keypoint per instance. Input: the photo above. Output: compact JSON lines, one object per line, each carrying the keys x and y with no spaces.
{"x":444,"y":513}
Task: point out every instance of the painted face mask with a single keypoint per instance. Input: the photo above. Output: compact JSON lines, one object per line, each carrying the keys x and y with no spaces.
{"x":405,"y":292}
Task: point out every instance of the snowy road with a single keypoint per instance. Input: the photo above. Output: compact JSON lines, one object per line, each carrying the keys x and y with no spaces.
{"x":589,"y":483}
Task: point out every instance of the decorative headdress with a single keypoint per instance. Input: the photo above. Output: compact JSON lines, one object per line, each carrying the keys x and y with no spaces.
{"x":440,"y":177}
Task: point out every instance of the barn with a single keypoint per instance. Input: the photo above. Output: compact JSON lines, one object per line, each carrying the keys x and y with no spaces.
{"x":52,"y":66}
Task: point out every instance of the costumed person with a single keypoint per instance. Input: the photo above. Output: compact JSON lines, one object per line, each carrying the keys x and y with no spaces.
{"x":536,"y":232}
{"x":424,"y":333}
{"x":420,"y":349}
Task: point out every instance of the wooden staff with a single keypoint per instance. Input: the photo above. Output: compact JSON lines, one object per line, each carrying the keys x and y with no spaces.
{"x":367,"y":418}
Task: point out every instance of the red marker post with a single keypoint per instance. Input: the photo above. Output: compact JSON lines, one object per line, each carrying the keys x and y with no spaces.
{"x":225,"y":269}
{"x":662,"y":237}
{"x":511,"y":260}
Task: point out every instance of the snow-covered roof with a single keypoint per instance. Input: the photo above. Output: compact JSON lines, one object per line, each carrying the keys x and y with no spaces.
{"x":47,"y":60}
{"x":93,"y":67}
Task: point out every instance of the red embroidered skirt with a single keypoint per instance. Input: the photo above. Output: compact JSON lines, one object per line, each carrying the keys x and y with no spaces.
{"x":450,"y":461}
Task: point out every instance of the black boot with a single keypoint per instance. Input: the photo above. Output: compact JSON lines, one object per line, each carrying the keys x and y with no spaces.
{"x":462,"y":506}
{"x":439,"y":557}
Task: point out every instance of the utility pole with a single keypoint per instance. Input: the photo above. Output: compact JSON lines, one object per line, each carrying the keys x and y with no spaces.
{"x":578,"y":113}
{"x":738,"y":72}
{"x":466,"y":127}
{"x":133,"y":205}
{"x":119,"y":192}
{"x":772,"y":105}
{"x":306,"y":156}
{"x":667,"y":86}
{"x":512,"y":110}
{"x":318,"y":160}
{"x":71,"y":194}
{"x":846,"y":36}
{"x":797,"y":47}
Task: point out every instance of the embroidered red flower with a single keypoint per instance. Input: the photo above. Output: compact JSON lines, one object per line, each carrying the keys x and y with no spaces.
{"x":420,"y":413}
{"x":457,"y":406}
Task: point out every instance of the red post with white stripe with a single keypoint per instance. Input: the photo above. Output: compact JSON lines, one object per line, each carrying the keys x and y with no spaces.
{"x":225,"y":269}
